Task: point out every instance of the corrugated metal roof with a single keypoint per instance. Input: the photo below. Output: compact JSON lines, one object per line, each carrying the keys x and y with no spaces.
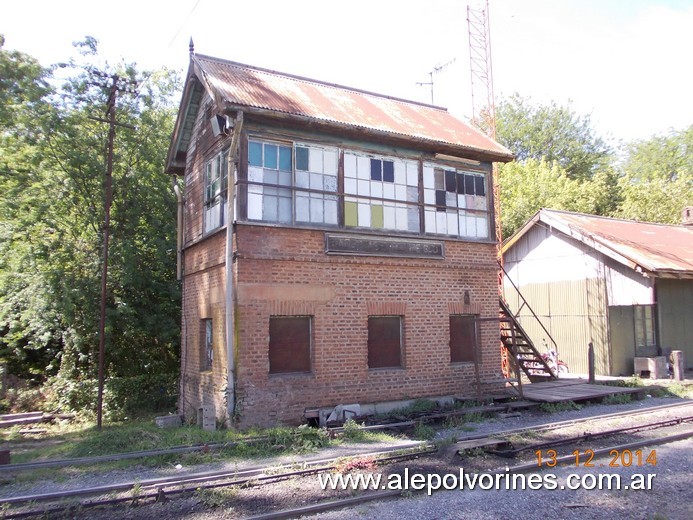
{"x":658,"y":249}
{"x":243,"y":85}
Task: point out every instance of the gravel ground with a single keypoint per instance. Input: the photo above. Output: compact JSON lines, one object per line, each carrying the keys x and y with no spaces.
{"x":670,"y":497}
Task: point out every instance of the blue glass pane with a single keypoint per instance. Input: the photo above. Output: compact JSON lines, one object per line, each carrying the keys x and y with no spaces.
{"x":302,"y":159}
{"x":376,"y":170}
{"x":285,"y":158}
{"x":255,"y":153}
{"x":388,"y":171}
{"x":270,"y":156}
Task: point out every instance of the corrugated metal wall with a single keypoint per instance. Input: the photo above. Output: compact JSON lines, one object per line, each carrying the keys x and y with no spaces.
{"x":569,"y":286}
{"x":675,"y":315}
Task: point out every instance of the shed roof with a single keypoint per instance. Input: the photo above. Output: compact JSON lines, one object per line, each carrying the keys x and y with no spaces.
{"x":659,"y":250}
{"x":236,"y":86}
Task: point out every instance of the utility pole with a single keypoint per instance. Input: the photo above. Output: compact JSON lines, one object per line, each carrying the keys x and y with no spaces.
{"x":117,"y":84}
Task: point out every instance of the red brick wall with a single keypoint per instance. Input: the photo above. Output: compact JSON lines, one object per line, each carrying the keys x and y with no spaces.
{"x":286,"y":271}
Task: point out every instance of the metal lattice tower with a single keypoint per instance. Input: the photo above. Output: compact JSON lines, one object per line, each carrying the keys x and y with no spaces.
{"x":484,"y":117}
{"x":483,"y":103}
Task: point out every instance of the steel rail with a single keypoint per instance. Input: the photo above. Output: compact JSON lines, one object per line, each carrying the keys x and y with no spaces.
{"x":571,"y":422}
{"x":206,"y":483}
{"x":196,"y":477}
{"x":384,"y":495}
{"x":7,"y":468}
{"x":589,"y":436}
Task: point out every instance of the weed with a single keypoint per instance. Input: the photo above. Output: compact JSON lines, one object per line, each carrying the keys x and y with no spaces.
{"x":634,"y":382}
{"x":424,"y":431}
{"x":354,"y":431}
{"x":472,"y":452}
{"x":563,"y":406}
{"x":617,"y":399}
{"x":216,"y":497}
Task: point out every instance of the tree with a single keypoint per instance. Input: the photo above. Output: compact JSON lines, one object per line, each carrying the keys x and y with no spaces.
{"x":551,"y":133}
{"x":657,"y":178}
{"x":534,"y":184}
{"x":51,"y":228}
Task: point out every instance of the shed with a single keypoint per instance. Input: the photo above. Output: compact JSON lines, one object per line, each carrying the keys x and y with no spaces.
{"x":623,"y":285}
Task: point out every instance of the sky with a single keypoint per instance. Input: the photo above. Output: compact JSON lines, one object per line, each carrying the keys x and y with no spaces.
{"x":625,"y":63}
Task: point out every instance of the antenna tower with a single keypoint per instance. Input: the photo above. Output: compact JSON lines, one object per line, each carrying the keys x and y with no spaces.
{"x":484,"y":117}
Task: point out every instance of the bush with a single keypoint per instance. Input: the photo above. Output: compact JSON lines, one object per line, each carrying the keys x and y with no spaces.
{"x":122,"y":397}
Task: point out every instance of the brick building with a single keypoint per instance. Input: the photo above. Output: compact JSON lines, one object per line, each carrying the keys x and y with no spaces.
{"x":361,"y":251}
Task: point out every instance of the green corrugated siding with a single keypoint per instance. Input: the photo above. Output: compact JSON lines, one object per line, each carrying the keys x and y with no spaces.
{"x":574,"y":314}
{"x":675,"y":315}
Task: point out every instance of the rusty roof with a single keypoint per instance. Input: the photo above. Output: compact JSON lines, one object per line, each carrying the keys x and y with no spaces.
{"x":236,"y":85}
{"x":657,"y":249}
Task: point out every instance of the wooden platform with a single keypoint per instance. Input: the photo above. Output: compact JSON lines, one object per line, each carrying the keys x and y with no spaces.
{"x":571,"y":390}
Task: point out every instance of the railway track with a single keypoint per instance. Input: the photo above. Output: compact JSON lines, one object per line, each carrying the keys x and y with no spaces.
{"x":160,"y":489}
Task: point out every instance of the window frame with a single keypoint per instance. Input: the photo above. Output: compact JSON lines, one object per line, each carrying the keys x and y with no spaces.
{"x":648,"y":334}
{"x":276,"y":339}
{"x":293,"y":190}
{"x":206,"y":344}
{"x":211,"y":198}
{"x":441,"y":185}
{"x":343,"y":194}
{"x":373,"y":344}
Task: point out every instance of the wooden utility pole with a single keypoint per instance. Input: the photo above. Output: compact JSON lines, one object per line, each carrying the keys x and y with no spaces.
{"x":117,"y":84}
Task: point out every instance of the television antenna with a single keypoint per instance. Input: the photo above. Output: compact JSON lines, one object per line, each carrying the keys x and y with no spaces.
{"x":435,"y":70}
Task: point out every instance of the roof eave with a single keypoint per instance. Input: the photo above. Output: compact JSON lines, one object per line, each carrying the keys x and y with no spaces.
{"x":429,"y":145}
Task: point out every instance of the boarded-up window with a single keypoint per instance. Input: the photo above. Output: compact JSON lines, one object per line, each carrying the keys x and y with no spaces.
{"x":462,"y":338}
{"x":384,"y":341}
{"x":206,"y":344}
{"x":289,"y":345}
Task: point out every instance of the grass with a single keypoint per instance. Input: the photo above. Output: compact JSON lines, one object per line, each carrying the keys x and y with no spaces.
{"x":681,"y":389}
{"x":617,"y":399}
{"x":563,"y":406}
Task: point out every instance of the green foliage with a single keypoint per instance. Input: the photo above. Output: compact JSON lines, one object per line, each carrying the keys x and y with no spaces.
{"x":551,"y":133}
{"x":657,"y":181}
{"x":123,"y":396}
{"x":52,"y":164}
{"x":528,"y":186}
{"x":353,"y":431}
{"x":563,"y":406}
{"x":617,"y":399}
{"x":424,"y":432}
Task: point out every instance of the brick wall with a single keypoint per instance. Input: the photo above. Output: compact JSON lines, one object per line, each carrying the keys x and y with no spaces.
{"x":285,"y":271}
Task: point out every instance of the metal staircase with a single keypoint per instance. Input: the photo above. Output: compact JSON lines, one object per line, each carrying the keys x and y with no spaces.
{"x":521,"y":349}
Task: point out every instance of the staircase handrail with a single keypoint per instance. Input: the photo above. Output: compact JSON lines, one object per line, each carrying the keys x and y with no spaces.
{"x":507,"y":276}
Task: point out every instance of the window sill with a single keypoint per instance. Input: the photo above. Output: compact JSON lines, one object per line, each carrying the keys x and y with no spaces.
{"x":296,"y":375}
{"x":386,"y":369}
